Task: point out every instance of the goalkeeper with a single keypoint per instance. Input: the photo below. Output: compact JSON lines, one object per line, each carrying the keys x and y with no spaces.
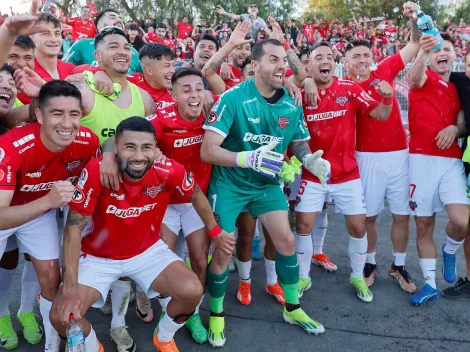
{"x":246,"y":134}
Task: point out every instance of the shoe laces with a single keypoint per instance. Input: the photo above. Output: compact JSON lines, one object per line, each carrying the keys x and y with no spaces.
{"x":143,"y":300}
{"x":6,"y":326}
{"x":403,"y":272}
{"x":369,"y":268}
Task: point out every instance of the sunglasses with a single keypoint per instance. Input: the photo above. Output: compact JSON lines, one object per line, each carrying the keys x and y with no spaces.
{"x":253,"y":7}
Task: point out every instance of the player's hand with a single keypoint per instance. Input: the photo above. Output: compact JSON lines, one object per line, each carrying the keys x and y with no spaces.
{"x":276,"y":33}
{"x":75,"y":78}
{"x":263,"y":160}
{"x":103,"y":83}
{"x":427,"y":42}
{"x":239,"y":34}
{"x":60,"y":194}
{"x":318,"y":166}
{"x":68,"y":301}
{"x":28,"y":81}
{"x":226,"y":72}
{"x":208,"y":104}
{"x":160,"y":157}
{"x":446,"y":137}
{"x":408,"y":8}
{"x":110,"y":176}
{"x":311,"y":93}
{"x":384,"y":89}
{"x":224,"y":242}
{"x":294,"y":92}
{"x":24,"y":24}
{"x":219,"y":10}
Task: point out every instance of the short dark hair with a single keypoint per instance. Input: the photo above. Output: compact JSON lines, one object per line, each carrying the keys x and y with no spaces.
{"x":189,"y":71}
{"x":86,"y":7}
{"x":49,"y":18}
{"x":356,"y":42}
{"x":24,"y":42}
{"x":58,"y":88}
{"x":161,"y":25}
{"x":102,"y":13}
{"x":257,"y":51}
{"x":303,"y":52}
{"x":7,"y":68}
{"x":155,"y":51}
{"x":133,"y":27}
{"x":108,"y":31}
{"x":448,"y":38}
{"x":135,"y":124}
{"x":207,"y":37}
{"x":320,"y":44}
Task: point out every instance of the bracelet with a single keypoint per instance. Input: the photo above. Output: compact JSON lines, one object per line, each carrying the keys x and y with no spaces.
{"x":215,"y":231}
{"x":286,"y":45}
{"x":387,"y":101}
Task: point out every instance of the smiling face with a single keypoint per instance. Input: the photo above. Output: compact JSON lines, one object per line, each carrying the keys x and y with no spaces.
{"x":20,"y":57}
{"x":189,"y":94}
{"x":271,"y":68}
{"x":322,"y":66}
{"x":114,"y":53}
{"x":161,"y":33}
{"x":441,"y":61}
{"x":86,"y":14}
{"x":48,"y":42}
{"x":7,"y":92}
{"x":253,"y":9}
{"x":159,"y":72}
{"x":359,"y":61}
{"x":204,"y":51}
{"x":110,"y":19}
{"x":239,"y":54}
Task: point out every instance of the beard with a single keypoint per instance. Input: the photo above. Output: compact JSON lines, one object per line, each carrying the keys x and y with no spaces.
{"x":133,"y":174}
{"x":268,"y":79}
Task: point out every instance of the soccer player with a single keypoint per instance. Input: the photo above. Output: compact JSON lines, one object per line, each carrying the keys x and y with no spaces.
{"x":48,"y":45}
{"x":38,"y":163}
{"x":82,"y":27}
{"x":333,"y":123}
{"x":436,"y":172}
{"x":247,"y":156}
{"x":382,"y":153}
{"x":82,"y":52}
{"x":132,"y":217}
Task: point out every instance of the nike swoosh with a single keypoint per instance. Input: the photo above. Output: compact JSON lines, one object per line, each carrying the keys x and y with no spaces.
{"x":132,"y":348}
{"x":299,"y":252}
{"x":142,"y":314}
{"x":3,"y":342}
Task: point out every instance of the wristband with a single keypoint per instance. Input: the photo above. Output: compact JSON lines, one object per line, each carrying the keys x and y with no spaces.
{"x":215,"y":231}
{"x":387,"y":101}
{"x":286,"y":45}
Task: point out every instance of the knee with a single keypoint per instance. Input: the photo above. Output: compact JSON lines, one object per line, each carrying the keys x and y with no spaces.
{"x":460,"y":225}
{"x":401,"y":220}
{"x":199,"y":265}
{"x":285,"y":243}
{"x":357,"y":229}
{"x":192,"y":291}
{"x":423,"y":225}
{"x":303,"y":226}
{"x":9,"y":260}
{"x":49,"y":281}
{"x":372,"y":220}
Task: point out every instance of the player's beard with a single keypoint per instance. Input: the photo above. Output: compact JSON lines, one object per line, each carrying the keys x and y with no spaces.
{"x":268,"y":79}
{"x":133,"y":174}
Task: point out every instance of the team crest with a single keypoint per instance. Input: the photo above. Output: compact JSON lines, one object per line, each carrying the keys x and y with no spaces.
{"x":188,"y":182}
{"x":342,"y":100}
{"x":413,"y":205}
{"x":283,"y":121}
{"x":83,"y":178}
{"x":153,"y":191}
{"x":73,"y":165}
{"x":211,"y":118}
{"x":374,"y":82}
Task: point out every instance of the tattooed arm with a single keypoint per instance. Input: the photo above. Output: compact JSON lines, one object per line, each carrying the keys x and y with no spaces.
{"x":71,"y":247}
{"x":203,"y":208}
{"x":412,"y":48}
{"x":296,"y":66}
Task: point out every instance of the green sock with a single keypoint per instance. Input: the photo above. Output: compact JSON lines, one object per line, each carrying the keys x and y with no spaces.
{"x":287,"y":269}
{"x":217,"y":284}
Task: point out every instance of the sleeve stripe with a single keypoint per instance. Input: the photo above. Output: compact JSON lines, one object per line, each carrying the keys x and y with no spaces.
{"x":216,"y":130}
{"x":301,"y":140}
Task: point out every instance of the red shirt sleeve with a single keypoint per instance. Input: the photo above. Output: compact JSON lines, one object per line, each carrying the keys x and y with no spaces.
{"x":363,"y":102}
{"x":87,"y":191}
{"x":182,"y":182}
{"x":70,"y":21}
{"x":10,"y":163}
{"x":390,"y":67}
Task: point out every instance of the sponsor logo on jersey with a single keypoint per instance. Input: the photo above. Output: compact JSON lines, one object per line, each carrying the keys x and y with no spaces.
{"x":2,"y":154}
{"x":164,"y":104}
{"x":88,"y":197}
{"x":83,"y":178}
{"x":443,"y":83}
{"x":180,"y":131}
{"x":250,"y":101}
{"x":283,"y":121}
{"x":188,"y":182}
{"x":78,"y":195}
{"x":325,"y":115}
{"x":261,"y":138}
{"x":374,"y":82}
{"x":73,"y":165}
{"x":211,"y":118}
{"x":129,"y":212}
{"x":41,"y":186}
{"x":26,"y":148}
{"x":342,"y":100}
{"x":34,"y":174}
{"x":256,"y":120}
{"x":153,"y":191}
{"x":117,"y":196}
{"x":188,"y":141}
{"x":9,"y":174}
{"x":151,"y":117}
{"x":366,"y":96}
{"x":80,"y":142}
{"x":108,"y":132}
{"x":84,"y":134}
{"x":23,"y":140}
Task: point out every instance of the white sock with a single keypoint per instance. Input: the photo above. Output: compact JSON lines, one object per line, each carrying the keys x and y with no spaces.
{"x":91,"y":342}
{"x":319,"y":231}
{"x":29,"y":288}
{"x":244,"y":270}
{"x":399,"y":259}
{"x":271,"y":276}
{"x":167,"y":329}
{"x":428,"y":267}
{"x":304,"y":250}
{"x":120,"y":292}
{"x":357,"y":255}
{"x":52,"y":337}
{"x":370,"y":258}
{"x":451,"y":245}
{"x":196,"y":311}
{"x":164,"y":302}
{"x":6,"y":278}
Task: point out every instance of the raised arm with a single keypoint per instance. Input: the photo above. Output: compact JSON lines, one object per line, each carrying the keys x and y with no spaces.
{"x":412,"y":48}
{"x":175,"y":21}
{"x":219,"y":10}
{"x":417,"y":73}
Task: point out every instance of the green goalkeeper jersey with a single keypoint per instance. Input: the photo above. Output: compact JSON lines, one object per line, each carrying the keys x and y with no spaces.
{"x":247,"y":121}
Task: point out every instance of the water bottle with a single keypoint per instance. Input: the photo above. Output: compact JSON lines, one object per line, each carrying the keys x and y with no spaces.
{"x":75,"y":336}
{"x":426,"y":24}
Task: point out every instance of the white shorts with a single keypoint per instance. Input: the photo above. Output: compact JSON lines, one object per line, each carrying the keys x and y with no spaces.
{"x":100,"y":273}
{"x":38,"y":237}
{"x":435,"y":181}
{"x":182,"y":217}
{"x":385,"y":175}
{"x":348,"y":197}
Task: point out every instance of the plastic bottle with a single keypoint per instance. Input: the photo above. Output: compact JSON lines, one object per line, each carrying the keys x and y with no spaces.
{"x":75,"y":336}
{"x":426,"y":24}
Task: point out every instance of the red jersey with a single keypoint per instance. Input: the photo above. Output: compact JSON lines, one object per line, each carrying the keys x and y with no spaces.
{"x":382,"y":136}
{"x":65,"y":69}
{"x":169,"y":43}
{"x":127,"y":222}
{"x":433,"y":107}
{"x":184,"y":30}
{"x":161,"y":96}
{"x":152,"y":37}
{"x":181,"y":141}
{"x":81,"y":30}
{"x":332,"y":126}
{"x":30,"y":169}
{"x":229,"y":83}
{"x":309,"y":31}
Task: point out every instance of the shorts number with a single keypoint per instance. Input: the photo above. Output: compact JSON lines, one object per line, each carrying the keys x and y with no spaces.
{"x":214,"y":201}
{"x":412,"y":190}
{"x":302,"y":187}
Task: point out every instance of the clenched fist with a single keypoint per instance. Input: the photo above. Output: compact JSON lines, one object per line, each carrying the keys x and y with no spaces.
{"x":384,"y":89}
{"x":60,"y":194}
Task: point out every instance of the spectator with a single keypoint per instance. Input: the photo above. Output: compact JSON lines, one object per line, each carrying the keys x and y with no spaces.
{"x":133,"y":36}
{"x":257,"y":23}
{"x":67,"y":42}
{"x":82,"y":27}
{"x":184,"y":28}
